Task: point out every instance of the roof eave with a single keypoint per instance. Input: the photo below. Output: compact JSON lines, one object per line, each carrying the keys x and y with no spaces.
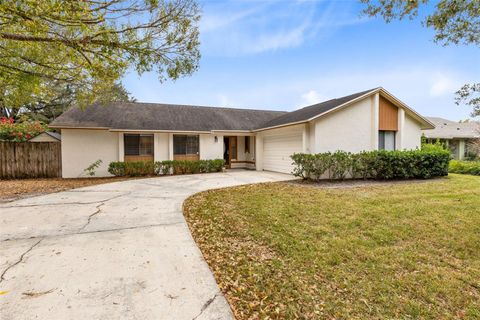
{"x":280,"y":126}
{"x":323,"y":113}
{"x":346,"y":104}
{"x":76,"y":127}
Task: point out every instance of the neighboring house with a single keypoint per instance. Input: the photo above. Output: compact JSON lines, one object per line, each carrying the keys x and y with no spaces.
{"x":260,"y":139}
{"x":458,"y":136}
{"x":47,"y":136}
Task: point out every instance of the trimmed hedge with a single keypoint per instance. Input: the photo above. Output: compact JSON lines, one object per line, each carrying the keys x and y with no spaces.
{"x":382,"y":165}
{"x":150,"y":168}
{"x":465,"y":167}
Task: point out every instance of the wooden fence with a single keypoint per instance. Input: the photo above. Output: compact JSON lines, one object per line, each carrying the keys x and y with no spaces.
{"x":30,"y":160}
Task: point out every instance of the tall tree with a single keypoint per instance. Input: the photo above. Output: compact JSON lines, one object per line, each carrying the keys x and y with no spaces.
{"x":49,"y":45}
{"x":47,"y":111}
{"x":454,"y":22}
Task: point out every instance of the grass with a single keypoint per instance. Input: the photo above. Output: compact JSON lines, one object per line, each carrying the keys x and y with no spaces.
{"x":292,"y":251}
{"x":21,"y":188}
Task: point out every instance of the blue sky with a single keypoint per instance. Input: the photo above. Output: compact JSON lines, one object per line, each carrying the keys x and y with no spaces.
{"x":283,"y":55}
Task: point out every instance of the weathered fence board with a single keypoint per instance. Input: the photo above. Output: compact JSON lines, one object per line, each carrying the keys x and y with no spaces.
{"x":30,"y":160}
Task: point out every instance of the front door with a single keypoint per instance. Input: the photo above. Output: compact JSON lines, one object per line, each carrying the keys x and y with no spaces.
{"x":230,"y":150}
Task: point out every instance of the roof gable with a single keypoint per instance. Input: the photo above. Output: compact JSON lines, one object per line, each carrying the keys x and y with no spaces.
{"x":310,"y":112}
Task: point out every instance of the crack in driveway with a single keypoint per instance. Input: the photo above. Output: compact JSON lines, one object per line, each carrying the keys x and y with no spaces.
{"x":96,"y":231}
{"x":2,"y":276}
{"x":206,"y":305}
{"x":66,"y":203}
{"x":98,"y":207}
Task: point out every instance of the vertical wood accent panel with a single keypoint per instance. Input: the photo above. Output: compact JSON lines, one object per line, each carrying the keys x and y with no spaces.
{"x":30,"y":160}
{"x":387,"y":115}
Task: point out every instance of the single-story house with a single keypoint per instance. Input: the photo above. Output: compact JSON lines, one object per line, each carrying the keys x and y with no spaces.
{"x":460,"y":137}
{"x":47,"y":136}
{"x":245,"y":138}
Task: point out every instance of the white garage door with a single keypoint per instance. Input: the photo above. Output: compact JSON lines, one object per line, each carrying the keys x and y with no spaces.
{"x":278,"y":148}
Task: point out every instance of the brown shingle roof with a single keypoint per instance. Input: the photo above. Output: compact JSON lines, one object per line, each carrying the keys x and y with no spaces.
{"x":169,"y":117}
{"x":154,"y":116}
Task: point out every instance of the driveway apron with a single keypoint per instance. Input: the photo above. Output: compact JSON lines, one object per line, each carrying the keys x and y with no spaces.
{"x":113,"y":251}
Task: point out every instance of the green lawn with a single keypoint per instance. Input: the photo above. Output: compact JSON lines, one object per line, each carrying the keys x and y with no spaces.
{"x":401,"y":251}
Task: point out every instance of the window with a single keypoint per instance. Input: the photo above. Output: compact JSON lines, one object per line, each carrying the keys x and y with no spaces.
{"x":138,"y":144}
{"x":183,"y":144}
{"x":247,"y":144}
{"x":386,"y":140}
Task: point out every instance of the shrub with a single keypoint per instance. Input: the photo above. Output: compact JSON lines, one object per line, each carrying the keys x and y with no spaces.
{"x":465,"y":167}
{"x":215,"y":165}
{"x":165,"y":167}
{"x":132,"y":169}
{"x":117,"y":168}
{"x":362,"y":165}
{"x":424,"y":164}
{"x":304,"y":163}
{"x":340,"y":165}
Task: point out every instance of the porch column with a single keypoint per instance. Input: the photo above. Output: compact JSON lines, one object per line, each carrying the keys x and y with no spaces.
{"x":259,"y":152}
{"x":461,"y":149}
{"x":375,"y":117}
{"x":121,"y":147}
{"x":170,"y":146}
{"x":401,"y":125}
{"x":306,"y":138}
{"x":156,"y":147}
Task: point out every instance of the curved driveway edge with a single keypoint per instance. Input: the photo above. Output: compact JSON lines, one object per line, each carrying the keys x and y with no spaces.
{"x":115,"y":251}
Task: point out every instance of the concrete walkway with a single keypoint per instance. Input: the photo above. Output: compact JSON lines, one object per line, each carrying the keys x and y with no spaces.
{"x":114,"y":251}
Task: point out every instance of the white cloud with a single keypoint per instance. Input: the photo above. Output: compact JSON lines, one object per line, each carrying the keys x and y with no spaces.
{"x":248,"y":28}
{"x":214,"y":21}
{"x":310,"y":97}
{"x":442,"y":85}
{"x":224,"y":101}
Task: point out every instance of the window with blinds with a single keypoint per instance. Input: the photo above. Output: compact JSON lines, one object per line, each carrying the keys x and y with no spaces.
{"x":186,"y":144}
{"x":138,"y":144}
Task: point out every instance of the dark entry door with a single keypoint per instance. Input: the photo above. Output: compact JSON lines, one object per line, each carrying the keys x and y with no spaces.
{"x":229,"y":150}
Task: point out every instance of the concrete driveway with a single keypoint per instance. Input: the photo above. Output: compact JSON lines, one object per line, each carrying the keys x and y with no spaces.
{"x":114,"y":251}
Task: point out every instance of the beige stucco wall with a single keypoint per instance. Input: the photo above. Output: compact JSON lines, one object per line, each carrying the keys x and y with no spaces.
{"x":412,"y":134}
{"x":349,"y":129}
{"x":80,"y":148}
{"x":209,"y":149}
{"x":311,"y":138}
{"x":259,"y":151}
